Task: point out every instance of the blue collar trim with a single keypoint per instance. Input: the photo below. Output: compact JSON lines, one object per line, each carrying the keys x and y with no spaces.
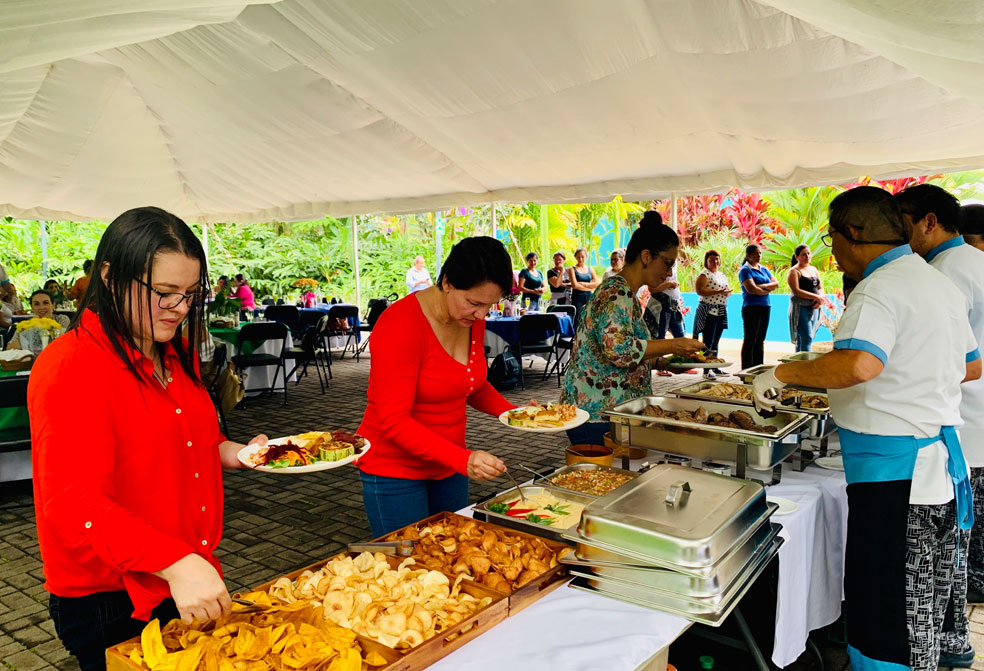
{"x":886,"y":258}
{"x":943,"y":246}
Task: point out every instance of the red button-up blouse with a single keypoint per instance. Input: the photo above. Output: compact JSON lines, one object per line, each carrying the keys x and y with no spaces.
{"x":127,"y":476}
{"x":415,"y":419}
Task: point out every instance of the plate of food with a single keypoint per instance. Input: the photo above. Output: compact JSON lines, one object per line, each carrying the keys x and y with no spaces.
{"x":696,"y":360}
{"x":305,"y":453}
{"x":549,"y":418}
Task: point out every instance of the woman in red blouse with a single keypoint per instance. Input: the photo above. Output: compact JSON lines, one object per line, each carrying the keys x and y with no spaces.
{"x":128,"y":476}
{"x":428,"y":361}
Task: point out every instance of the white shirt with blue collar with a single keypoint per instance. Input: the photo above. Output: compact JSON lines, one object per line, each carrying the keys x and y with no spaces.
{"x":914,"y":320}
{"x":964,"y":265}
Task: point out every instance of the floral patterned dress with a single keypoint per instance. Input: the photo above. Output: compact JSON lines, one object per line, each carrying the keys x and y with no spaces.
{"x":607,"y":364}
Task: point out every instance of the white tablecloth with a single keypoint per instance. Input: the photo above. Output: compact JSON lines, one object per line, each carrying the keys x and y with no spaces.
{"x":260,"y":377}
{"x":811,"y":561}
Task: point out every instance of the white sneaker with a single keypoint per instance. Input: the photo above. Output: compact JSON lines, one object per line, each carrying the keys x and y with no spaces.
{"x":709,"y":374}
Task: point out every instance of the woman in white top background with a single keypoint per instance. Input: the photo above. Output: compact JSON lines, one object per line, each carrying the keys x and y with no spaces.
{"x":418,"y":277}
{"x":712,"y":309}
{"x":617,"y":260}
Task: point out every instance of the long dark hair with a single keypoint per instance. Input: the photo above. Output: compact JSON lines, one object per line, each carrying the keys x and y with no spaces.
{"x":127,"y":250}
{"x":796,"y":252}
{"x":653,"y":235}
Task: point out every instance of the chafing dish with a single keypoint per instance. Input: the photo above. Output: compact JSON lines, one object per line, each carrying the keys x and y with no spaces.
{"x":801,"y":356}
{"x":751,"y":449}
{"x":603,"y":564}
{"x":749,"y":374}
{"x":679,"y":517}
{"x":547,"y":479}
{"x":711,"y":611}
{"x":482,"y":512}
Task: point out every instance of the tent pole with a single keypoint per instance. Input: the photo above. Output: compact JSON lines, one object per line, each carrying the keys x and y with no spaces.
{"x":355,"y":257}
{"x":44,"y":250}
{"x":438,"y":235}
{"x":495,"y":222}
{"x":205,"y":240}
{"x":673,"y":210}
{"x":544,"y":233}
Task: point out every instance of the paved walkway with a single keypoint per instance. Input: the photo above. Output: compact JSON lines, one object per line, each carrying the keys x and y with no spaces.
{"x":276,"y":523}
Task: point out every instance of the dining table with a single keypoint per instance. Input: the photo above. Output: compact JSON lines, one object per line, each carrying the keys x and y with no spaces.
{"x":14,"y":465}
{"x":259,"y":377}
{"x":502,"y":332}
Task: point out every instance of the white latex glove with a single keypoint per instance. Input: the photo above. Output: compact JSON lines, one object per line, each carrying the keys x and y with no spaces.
{"x":765,"y":390}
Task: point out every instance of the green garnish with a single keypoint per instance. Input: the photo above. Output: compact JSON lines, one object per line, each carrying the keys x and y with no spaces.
{"x":500,"y":508}
{"x":536,"y":519}
{"x":559,"y":508}
{"x":280,"y":463}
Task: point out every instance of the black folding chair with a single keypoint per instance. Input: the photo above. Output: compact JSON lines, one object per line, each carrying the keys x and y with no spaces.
{"x":287,"y":315}
{"x":268,"y":301}
{"x":255,"y":335}
{"x":376,"y":308}
{"x":13,"y":394}
{"x":321,"y":348}
{"x":219,"y":361}
{"x":310,"y":319}
{"x":345,"y":312}
{"x":566,"y":309}
{"x":305,"y":355}
{"x":537,"y":335}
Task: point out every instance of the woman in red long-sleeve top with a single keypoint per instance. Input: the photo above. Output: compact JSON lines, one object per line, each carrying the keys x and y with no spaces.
{"x":428,"y":361}
{"x":128,"y":476}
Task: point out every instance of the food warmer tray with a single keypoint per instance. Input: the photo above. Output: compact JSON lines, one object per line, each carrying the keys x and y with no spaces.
{"x":749,"y":374}
{"x":545,"y":479}
{"x":482,"y":512}
{"x":681,"y":517}
{"x":751,"y":449}
{"x":802,"y":356}
{"x":704,"y":612}
{"x":602,"y":564}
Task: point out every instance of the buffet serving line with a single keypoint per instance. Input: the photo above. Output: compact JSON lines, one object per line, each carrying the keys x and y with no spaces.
{"x":651,"y":549}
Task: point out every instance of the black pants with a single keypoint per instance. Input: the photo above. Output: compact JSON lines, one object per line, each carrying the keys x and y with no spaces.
{"x":87,"y":625}
{"x":580,"y":300}
{"x":713,"y":330}
{"x":756,"y":322}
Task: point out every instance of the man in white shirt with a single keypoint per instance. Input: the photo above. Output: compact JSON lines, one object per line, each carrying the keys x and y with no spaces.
{"x":933,"y":217}
{"x":901,"y":351}
{"x":418,"y":278}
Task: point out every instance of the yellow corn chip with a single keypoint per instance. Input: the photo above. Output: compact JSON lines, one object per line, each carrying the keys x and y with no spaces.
{"x":152,"y":644}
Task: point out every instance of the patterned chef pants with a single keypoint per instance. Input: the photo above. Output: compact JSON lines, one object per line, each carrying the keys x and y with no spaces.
{"x":956,"y":627}
{"x":931,"y":548}
{"x":975,"y":565}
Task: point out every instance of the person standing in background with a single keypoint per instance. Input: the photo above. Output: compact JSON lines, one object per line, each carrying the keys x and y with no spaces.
{"x":560,"y":282}
{"x":242,"y":291}
{"x":583,"y":280}
{"x":804,"y":305}
{"x":617,"y":260}
{"x":932,"y":218}
{"x":972,"y":225}
{"x":418,"y":277}
{"x":756,"y":285}
{"x":712,"y":310}
{"x":78,"y":289}
{"x":531,"y":282}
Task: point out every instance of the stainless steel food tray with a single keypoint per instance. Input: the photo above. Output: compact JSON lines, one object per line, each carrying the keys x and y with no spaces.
{"x":677,"y":517}
{"x":710,"y":612}
{"x":749,"y":374}
{"x":802,"y":356}
{"x":546,"y":480}
{"x":697,"y":391}
{"x":603,"y":564}
{"x":762,"y":451}
{"x":482,"y":512}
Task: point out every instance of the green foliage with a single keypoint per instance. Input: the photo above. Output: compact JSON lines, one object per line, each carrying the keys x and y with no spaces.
{"x":691,"y":259}
{"x":779,"y":248}
{"x":222,"y":305}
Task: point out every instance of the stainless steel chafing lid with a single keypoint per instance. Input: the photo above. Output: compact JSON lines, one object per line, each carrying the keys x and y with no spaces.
{"x":677,"y":514}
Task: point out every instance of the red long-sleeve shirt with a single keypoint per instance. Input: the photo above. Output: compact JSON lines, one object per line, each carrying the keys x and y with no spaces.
{"x":127,"y":476}
{"x":415,"y":418}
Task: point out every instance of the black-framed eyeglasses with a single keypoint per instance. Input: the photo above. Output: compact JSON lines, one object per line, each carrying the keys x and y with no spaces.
{"x":828,"y":239}
{"x":669,"y":262}
{"x":169,"y":301}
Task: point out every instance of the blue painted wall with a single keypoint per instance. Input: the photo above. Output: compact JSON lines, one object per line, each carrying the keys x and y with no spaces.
{"x":778,"y":318}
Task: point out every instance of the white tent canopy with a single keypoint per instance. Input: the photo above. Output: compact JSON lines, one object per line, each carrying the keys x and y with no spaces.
{"x":252,"y":110}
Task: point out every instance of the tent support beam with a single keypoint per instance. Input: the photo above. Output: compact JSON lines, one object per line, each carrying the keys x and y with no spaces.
{"x":355,"y":259}
{"x":44,"y":250}
{"x":673,"y":211}
{"x":495,"y":222}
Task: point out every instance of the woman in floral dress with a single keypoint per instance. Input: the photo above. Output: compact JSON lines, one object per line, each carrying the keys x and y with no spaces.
{"x":611,"y":361}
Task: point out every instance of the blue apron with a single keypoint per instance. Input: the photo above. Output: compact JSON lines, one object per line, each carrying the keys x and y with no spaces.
{"x":883,"y":466}
{"x":873,"y":458}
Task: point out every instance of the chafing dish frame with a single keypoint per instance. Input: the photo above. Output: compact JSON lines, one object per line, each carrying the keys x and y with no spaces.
{"x":749,"y":449}
{"x":545,"y":479}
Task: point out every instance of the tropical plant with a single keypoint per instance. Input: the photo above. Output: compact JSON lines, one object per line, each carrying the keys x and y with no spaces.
{"x":691,"y":259}
{"x":748,"y":216}
{"x":778,"y":249}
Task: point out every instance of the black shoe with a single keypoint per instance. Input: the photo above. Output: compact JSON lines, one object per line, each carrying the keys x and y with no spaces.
{"x":974,"y":596}
{"x":959,"y":660}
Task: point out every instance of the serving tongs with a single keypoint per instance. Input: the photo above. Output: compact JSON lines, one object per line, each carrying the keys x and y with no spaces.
{"x":518,"y":488}
{"x":401,"y":548}
{"x":250,"y":606}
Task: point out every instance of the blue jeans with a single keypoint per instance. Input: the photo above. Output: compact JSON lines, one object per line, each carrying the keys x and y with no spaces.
{"x":673,"y":320}
{"x":806,"y":328}
{"x":87,"y":625}
{"x":713,"y":328}
{"x":589,"y":433}
{"x":393,"y":503}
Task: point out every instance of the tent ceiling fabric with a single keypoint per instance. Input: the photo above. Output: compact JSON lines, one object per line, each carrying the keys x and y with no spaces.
{"x":243,"y":110}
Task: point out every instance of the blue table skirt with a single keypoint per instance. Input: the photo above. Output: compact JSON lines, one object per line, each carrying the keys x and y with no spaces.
{"x":354,"y":322}
{"x":507,"y":328}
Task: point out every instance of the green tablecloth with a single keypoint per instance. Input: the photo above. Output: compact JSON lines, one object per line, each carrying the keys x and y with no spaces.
{"x":231,"y":335}
{"x":11,"y":418}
